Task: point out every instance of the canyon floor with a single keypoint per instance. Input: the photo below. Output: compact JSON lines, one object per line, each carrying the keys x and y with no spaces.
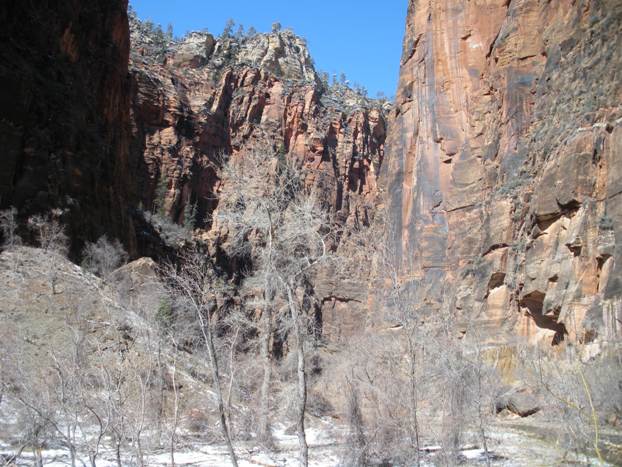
{"x":36,"y":312}
{"x":511,"y":445}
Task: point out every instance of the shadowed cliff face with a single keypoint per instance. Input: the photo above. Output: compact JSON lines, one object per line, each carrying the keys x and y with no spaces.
{"x":64,"y":113}
{"x":504,"y":166}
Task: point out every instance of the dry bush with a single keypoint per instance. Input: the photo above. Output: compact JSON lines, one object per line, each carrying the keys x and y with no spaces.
{"x":583,"y":397}
{"x":170,"y":232}
{"x":372,"y":369}
{"x":103,"y":256}
{"x":455,"y":389}
{"x":95,"y":391}
{"x":50,"y":233}
{"x":8,"y":227}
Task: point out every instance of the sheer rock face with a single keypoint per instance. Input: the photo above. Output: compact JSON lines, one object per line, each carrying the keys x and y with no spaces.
{"x":200,"y":97}
{"x":205,"y":97}
{"x":64,"y":113}
{"x":504,"y":165}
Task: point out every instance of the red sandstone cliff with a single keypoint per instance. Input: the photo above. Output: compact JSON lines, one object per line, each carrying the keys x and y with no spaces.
{"x":504,"y":166}
{"x":202,"y":97}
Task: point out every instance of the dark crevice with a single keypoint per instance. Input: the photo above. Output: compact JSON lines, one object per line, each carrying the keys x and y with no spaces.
{"x":570,"y":208}
{"x":496,"y":246}
{"x":544,"y":222}
{"x":339,"y":299}
{"x":575,"y":249}
{"x":534,"y":302}
{"x":496,"y":280}
{"x":566,"y":210}
{"x":601,"y":260}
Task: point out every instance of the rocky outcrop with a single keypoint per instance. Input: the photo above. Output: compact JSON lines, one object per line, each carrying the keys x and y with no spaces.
{"x":64,"y":114}
{"x":92,"y":138}
{"x":504,"y":166}
{"x":203,"y":98}
{"x":199,"y":99}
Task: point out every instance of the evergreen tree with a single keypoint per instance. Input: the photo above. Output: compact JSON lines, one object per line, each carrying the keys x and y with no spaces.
{"x":190,"y":215}
{"x":160,"y":196}
{"x":227,"y":32}
{"x":239,"y":34}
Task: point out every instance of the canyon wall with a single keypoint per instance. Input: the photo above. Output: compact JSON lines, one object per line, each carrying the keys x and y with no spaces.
{"x":504,"y":165}
{"x":201,"y":99}
{"x":64,"y":114}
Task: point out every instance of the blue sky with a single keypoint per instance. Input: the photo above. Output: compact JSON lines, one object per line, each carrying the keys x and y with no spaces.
{"x":362,"y":38}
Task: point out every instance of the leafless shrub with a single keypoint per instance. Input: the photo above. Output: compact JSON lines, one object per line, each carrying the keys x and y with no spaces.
{"x":91,"y":392}
{"x":170,"y":232}
{"x":50,"y":232}
{"x":584,"y":395}
{"x":103,"y":256}
{"x":270,"y":219}
{"x":8,"y":227}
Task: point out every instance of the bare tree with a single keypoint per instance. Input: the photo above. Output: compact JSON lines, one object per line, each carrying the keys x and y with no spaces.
{"x":195,"y":284}
{"x":274,"y":220}
{"x":50,"y":232}
{"x":103,"y":256}
{"x":169,"y":334}
{"x":8,"y":227}
{"x":402,"y":312}
{"x":485,"y":386}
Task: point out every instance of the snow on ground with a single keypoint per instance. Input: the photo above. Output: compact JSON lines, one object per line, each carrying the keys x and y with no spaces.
{"x":322,"y":453}
{"x":508,"y":448}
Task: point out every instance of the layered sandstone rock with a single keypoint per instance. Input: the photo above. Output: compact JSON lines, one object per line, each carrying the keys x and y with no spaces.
{"x":64,"y":114}
{"x":504,"y":167}
{"x":202,"y":98}
{"x":206,"y":97}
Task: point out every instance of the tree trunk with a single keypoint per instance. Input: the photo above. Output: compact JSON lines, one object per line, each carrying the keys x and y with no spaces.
{"x":139,"y":447}
{"x":209,"y":342}
{"x":302,"y":379}
{"x":232,"y":374}
{"x":482,"y":429}
{"x":175,"y":408}
{"x":38,"y":457}
{"x":162,"y":395}
{"x":265,"y":434}
{"x":413,"y":396}
{"x":72,"y":456}
{"x":118,"y":454}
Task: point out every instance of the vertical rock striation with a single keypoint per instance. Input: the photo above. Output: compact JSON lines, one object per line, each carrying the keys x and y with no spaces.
{"x":64,"y":113}
{"x":504,"y":164}
{"x":201,"y":97}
